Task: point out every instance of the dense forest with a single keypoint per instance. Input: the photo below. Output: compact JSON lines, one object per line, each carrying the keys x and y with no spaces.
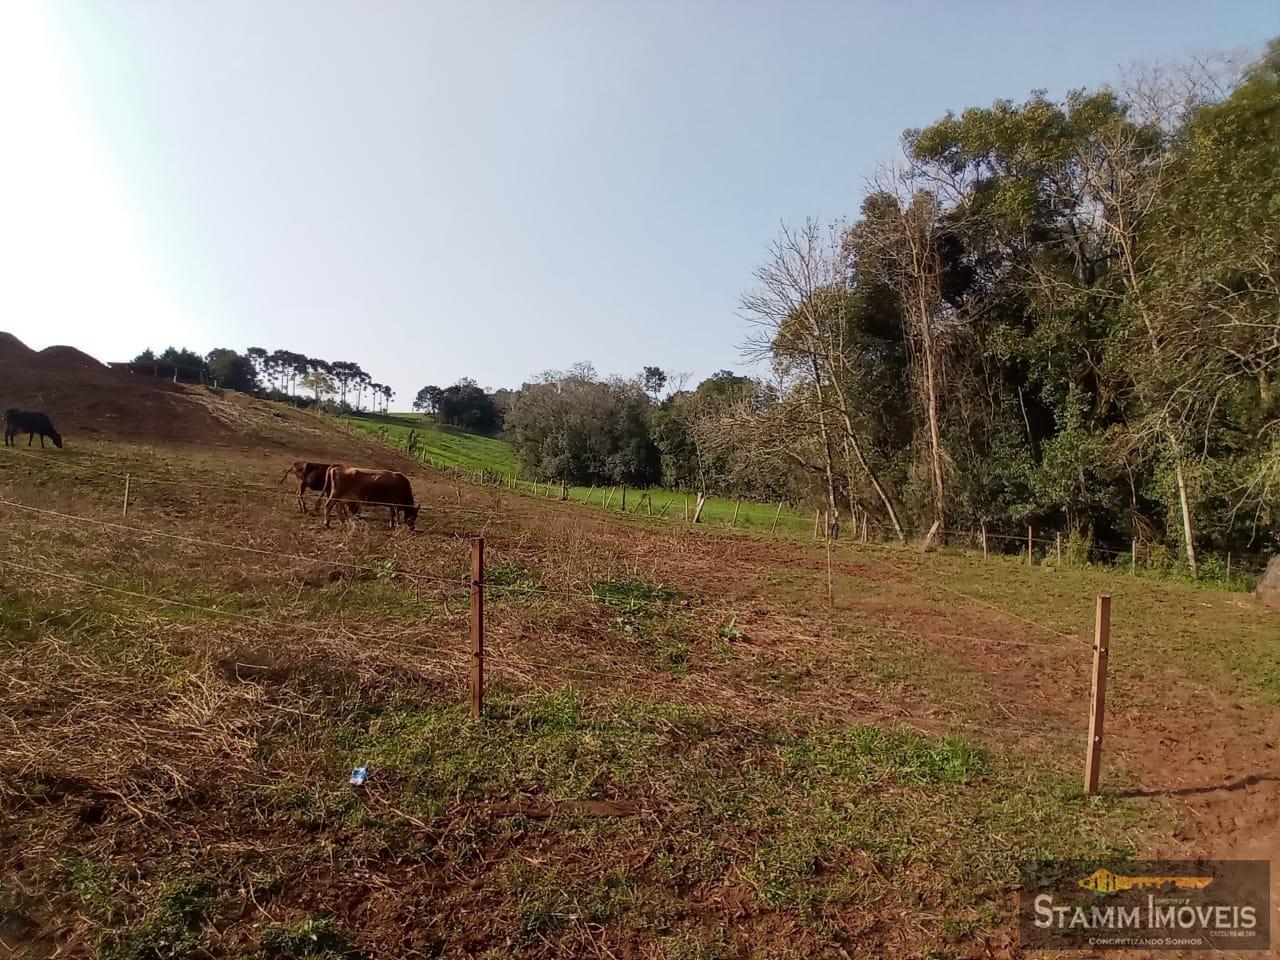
{"x":1063,"y":313}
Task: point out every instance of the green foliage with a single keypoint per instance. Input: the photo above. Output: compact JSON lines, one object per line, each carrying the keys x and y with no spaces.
{"x":874,"y":754}
{"x":463,"y":405}
{"x":731,"y":631}
{"x":314,"y":937}
{"x":171,"y":928}
{"x":232,"y":371}
{"x":507,"y":579}
{"x":92,"y":882}
{"x":572,"y":426}
{"x":1081,"y":293}
{"x":631,"y":596}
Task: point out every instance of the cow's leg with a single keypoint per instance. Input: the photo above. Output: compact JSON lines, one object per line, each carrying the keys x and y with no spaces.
{"x":31,"y":436}
{"x":328,"y":511}
{"x":42,"y":441}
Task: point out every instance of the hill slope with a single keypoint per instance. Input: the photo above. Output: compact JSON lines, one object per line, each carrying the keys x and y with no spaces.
{"x":695,"y":744}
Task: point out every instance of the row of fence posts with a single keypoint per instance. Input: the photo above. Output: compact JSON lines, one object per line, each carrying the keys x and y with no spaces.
{"x":821,"y":519}
{"x":1101,"y":644}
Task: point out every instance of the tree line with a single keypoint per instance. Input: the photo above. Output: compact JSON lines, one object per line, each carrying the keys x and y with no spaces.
{"x":278,"y":374}
{"x":1062,"y":313}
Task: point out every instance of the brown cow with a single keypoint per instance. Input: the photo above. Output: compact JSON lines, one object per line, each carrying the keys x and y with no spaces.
{"x":350,"y":486}
{"x":310,"y":477}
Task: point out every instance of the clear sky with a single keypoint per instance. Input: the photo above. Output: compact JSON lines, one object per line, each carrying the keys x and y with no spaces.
{"x":482,"y":189}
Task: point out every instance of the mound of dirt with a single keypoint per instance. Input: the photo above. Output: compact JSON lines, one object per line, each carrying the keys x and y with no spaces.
{"x":70,"y":358}
{"x":11,"y":346}
{"x":85,"y":398}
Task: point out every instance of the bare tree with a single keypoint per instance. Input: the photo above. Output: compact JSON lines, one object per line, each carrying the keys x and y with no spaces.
{"x":794,"y":307}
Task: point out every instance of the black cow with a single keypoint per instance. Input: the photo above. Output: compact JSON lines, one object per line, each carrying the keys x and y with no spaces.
{"x":24,"y":421}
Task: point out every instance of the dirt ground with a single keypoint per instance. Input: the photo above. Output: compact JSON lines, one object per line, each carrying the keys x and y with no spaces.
{"x":768,"y":635}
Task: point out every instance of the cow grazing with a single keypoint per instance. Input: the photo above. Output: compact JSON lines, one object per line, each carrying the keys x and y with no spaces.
{"x":311,"y":476}
{"x":24,"y":421}
{"x":346,"y":487}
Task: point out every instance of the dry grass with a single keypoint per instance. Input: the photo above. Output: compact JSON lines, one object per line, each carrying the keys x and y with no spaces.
{"x":813,"y":778}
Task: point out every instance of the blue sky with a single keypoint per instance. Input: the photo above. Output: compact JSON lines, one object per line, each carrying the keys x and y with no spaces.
{"x":482,"y":189}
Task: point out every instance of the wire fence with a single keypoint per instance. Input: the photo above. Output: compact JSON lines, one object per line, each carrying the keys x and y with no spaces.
{"x":503,"y":659}
{"x":595,"y":596}
{"x":1156,"y":557}
{"x":517,"y":665}
{"x":1142,"y":557}
{"x":462,"y":581}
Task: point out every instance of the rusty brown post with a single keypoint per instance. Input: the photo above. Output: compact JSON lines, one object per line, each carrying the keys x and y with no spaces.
{"x":1097,"y":705}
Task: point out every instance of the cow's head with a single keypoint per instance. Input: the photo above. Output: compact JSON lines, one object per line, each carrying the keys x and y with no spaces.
{"x":56,"y":437}
{"x":410,"y":517}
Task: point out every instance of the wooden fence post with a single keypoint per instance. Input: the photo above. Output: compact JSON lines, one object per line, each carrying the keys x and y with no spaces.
{"x":1030,"y":558}
{"x":624,"y":498}
{"x":1133,"y":564}
{"x":830,"y":590}
{"x":816,"y":515}
{"x":1058,"y":541}
{"x":477,"y":627}
{"x":1097,"y":704}
{"x":564,"y":489}
{"x":777,"y":513}
{"x":125,"y":510}
{"x":1228,"y":556}
{"x":737,"y":505}
{"x":984,"y":540}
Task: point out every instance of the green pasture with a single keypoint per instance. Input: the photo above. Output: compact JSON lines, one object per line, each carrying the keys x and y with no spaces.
{"x":450,"y":447}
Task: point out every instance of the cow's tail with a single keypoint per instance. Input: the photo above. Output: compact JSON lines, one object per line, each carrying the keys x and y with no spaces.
{"x":286,"y":473}
{"x":329,"y":482}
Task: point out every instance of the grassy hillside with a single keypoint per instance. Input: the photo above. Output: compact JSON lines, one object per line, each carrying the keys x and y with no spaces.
{"x":446,"y":446}
{"x":441,"y":446}
{"x":695,"y":745}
